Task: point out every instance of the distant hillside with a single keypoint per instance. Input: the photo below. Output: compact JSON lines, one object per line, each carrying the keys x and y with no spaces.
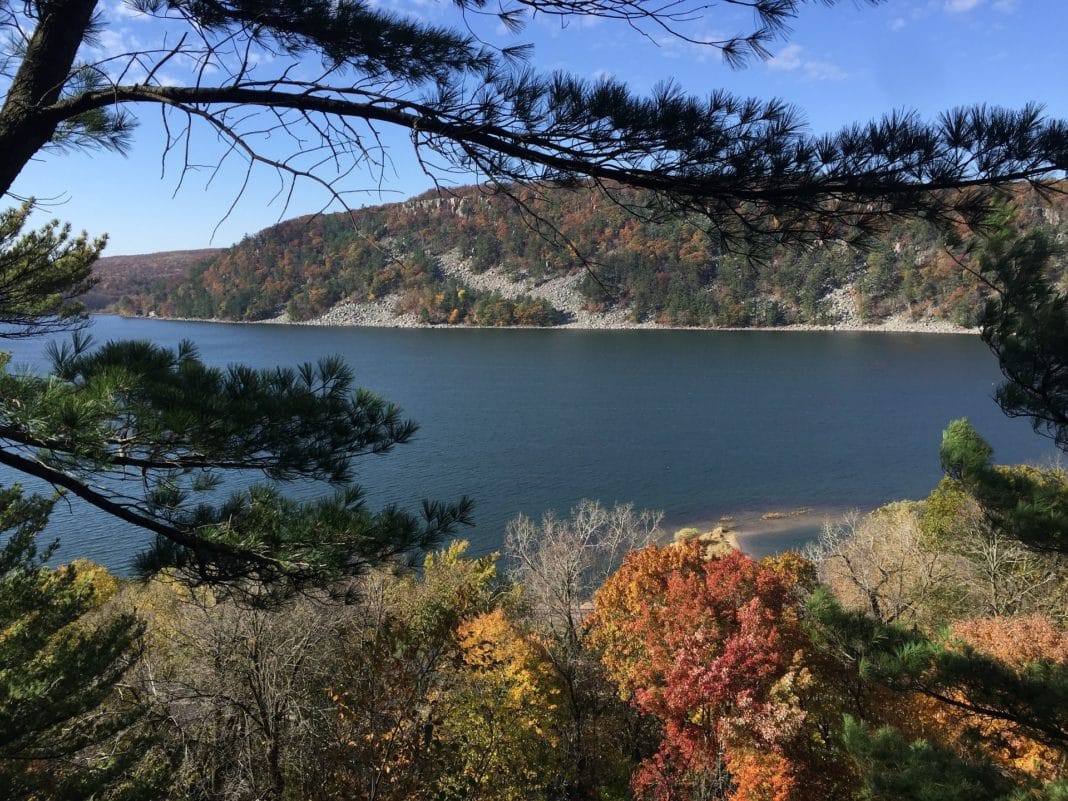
{"x":470,"y":258}
{"x":142,"y":274}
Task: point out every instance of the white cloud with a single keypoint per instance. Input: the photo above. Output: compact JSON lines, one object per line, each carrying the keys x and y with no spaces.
{"x":789,"y":58}
{"x":256,"y":58}
{"x":824,"y":71}
{"x":792,"y":58}
{"x":674,"y":47}
{"x":961,"y":6}
{"x":603,"y":75}
{"x":123,"y":11}
{"x":897,"y":24}
{"x":114,"y":43}
{"x":166,"y":79}
{"x":1006,"y":6}
{"x":193,"y":64}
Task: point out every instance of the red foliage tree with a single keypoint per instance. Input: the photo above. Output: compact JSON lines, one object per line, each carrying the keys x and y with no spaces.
{"x":715,"y":650}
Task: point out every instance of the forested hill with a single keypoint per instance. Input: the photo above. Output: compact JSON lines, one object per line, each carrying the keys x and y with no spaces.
{"x":147,"y":274}
{"x":471,"y":258}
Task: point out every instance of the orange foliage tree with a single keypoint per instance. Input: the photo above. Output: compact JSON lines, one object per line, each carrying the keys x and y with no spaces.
{"x":715,"y":650}
{"x":1020,"y":643}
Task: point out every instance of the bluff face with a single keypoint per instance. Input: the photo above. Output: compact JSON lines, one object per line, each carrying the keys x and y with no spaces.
{"x":550,"y":256}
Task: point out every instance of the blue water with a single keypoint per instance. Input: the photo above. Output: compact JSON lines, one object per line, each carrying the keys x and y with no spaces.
{"x":695,"y":423}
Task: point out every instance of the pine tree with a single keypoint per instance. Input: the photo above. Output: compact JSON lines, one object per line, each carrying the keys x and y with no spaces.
{"x":1030,"y":506}
{"x":1030,"y":699}
{"x":42,"y":273}
{"x":139,"y":431}
{"x":63,"y":732}
{"x":1025,"y":324}
{"x":896,"y":770}
{"x":747,"y":167}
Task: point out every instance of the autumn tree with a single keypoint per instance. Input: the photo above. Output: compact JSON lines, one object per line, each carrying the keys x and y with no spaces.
{"x":443,"y":688}
{"x":715,"y":650}
{"x":1022,"y":643}
{"x":397,"y":671}
{"x":880,"y":563}
{"x":558,"y":564}
{"x":501,"y":738}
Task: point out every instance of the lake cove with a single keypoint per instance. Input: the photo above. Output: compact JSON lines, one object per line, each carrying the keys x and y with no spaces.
{"x":699,"y":424}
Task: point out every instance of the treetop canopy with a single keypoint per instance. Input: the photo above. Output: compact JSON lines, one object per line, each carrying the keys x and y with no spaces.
{"x":324,"y":79}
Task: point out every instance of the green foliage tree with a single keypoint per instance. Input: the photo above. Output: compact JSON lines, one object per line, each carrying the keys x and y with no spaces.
{"x":164,"y":422}
{"x":1026,"y":326}
{"x":963,"y":451}
{"x":896,"y":770}
{"x":1028,"y":505}
{"x":41,"y":274}
{"x":63,"y":732}
{"x":950,"y":673}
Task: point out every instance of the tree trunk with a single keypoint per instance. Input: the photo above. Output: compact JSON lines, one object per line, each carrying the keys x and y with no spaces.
{"x":24,"y":126}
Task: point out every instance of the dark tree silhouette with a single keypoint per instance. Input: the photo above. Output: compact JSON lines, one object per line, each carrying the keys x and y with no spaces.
{"x":746,"y":166}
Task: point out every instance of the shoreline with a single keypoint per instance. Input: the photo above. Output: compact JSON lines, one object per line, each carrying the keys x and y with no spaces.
{"x":889,"y":326}
{"x":746,"y":528}
{"x":765,"y":533}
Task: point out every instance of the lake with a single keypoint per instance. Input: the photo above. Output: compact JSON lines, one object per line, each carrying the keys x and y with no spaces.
{"x":695,"y":423}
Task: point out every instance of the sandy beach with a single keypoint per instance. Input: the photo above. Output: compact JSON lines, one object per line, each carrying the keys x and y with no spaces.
{"x":756,"y":532}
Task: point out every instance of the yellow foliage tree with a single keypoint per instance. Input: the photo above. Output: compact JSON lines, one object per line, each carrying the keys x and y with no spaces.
{"x":503,"y":726}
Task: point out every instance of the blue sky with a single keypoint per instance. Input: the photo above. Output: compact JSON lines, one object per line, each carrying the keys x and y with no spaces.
{"x":839,"y":65}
